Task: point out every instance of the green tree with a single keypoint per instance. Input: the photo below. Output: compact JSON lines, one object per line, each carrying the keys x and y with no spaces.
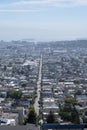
{"x":70,"y":101}
{"x":78,"y":92}
{"x":50,"y":117}
{"x":75,"y":116}
{"x":14,"y":94}
{"x":68,"y":111}
{"x":32,"y":116}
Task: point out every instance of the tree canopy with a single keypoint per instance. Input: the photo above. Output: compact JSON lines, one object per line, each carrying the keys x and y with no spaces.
{"x":51,"y":117}
{"x":14,"y":94}
{"x":68,"y":111}
{"x":32,"y":116}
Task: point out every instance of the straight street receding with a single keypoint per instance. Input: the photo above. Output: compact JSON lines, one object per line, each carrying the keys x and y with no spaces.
{"x":36,"y":104}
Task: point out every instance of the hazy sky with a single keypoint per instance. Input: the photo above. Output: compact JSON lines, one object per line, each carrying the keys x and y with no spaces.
{"x":43,"y":19}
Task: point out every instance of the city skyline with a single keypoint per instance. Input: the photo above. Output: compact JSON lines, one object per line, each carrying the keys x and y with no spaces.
{"x":43,"y":19}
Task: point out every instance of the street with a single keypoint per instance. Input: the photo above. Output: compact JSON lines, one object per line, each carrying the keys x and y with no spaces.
{"x":36,"y":104}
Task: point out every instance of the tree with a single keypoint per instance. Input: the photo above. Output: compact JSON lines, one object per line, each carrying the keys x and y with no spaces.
{"x":70,"y":101}
{"x":50,"y":117}
{"x":68,"y":111}
{"x":32,"y":117}
{"x":14,"y":94}
{"x":75,"y":116}
{"x":78,"y":92}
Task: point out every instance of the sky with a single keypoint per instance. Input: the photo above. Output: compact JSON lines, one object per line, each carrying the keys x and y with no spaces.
{"x":43,"y":20}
